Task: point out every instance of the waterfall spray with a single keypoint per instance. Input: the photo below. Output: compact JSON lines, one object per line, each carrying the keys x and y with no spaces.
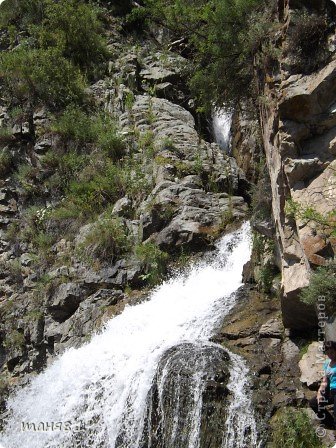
{"x":97,"y":396}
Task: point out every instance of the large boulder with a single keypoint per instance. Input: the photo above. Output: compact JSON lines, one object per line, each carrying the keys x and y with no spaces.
{"x":311,"y":365}
{"x":65,"y":301}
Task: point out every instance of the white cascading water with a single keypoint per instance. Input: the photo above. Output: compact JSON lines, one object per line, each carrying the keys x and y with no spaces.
{"x":221,"y":124}
{"x":104,"y":385}
{"x":240,"y":426}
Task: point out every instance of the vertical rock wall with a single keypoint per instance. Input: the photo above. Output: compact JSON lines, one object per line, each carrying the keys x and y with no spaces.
{"x":298,"y":119}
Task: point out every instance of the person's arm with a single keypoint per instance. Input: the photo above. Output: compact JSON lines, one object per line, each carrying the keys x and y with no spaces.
{"x":322,"y":388}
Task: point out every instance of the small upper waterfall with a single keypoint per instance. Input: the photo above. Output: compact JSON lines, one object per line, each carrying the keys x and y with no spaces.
{"x":100,"y":395}
{"x":221,"y":125}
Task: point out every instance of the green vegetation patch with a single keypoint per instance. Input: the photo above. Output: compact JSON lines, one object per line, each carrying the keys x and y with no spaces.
{"x":322,"y":284}
{"x":107,"y":240}
{"x":154,"y":262}
{"x":293,"y":429}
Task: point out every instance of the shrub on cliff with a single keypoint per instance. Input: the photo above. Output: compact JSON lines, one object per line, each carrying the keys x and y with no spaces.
{"x":107,"y":240}
{"x":118,"y":7}
{"x":223,"y":37}
{"x":76,"y":127}
{"x":322,"y":284}
{"x":73,"y":27}
{"x":35,"y":76}
{"x":154,"y":262}
{"x":307,"y":40}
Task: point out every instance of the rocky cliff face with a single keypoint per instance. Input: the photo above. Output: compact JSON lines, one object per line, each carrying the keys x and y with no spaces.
{"x":298,"y":128}
{"x":186,"y":192}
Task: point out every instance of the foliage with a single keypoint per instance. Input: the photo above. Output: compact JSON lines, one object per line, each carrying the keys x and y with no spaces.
{"x":6,"y":163}
{"x":72,"y":26}
{"x":263,"y":253}
{"x":25,"y":12}
{"x":76,"y":126}
{"x":27,"y":177}
{"x":154,"y":262}
{"x":14,"y":341}
{"x":293,"y":429}
{"x":322,"y":284}
{"x":310,"y":214}
{"x":14,"y":267}
{"x":64,"y":167}
{"x":107,"y":137}
{"x":135,"y":182}
{"x":107,"y":240}
{"x":93,"y":184}
{"x":119,"y":7}
{"x":307,"y":40}
{"x":6,"y":136}
{"x":37,"y":76}
{"x":265,"y":277}
{"x":96,"y":186}
{"x":223,"y":37}
{"x":261,"y":195}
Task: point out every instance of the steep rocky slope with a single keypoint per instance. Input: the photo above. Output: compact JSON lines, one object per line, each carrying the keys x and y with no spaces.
{"x":184,"y":192}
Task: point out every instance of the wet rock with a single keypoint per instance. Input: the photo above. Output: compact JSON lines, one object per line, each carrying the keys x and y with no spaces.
{"x":87,"y":318}
{"x":171,"y":399}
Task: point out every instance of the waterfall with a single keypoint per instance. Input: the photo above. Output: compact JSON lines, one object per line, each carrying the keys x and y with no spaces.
{"x":221,"y":124}
{"x":99,"y":395}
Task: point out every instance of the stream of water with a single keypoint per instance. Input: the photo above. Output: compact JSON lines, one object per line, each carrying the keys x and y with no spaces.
{"x":97,"y":396}
{"x":221,"y":125}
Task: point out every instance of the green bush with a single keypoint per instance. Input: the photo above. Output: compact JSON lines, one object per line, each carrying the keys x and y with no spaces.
{"x":293,"y":429}
{"x":154,"y":262}
{"x":120,"y":7}
{"x":107,"y":137}
{"x":135,"y":182}
{"x":107,"y":240}
{"x":74,"y":124}
{"x":73,"y":27}
{"x":98,"y":185}
{"x":14,"y":268}
{"x":224,"y":37}
{"x":35,"y":76}
{"x":14,"y":341}
{"x":322,"y":283}
{"x":21,"y":12}
{"x":6,"y":163}
{"x":64,"y":167}
{"x":77,"y":126}
{"x":70,"y":26}
{"x":6,"y":136}
{"x":27,"y":178}
{"x":307,"y":42}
